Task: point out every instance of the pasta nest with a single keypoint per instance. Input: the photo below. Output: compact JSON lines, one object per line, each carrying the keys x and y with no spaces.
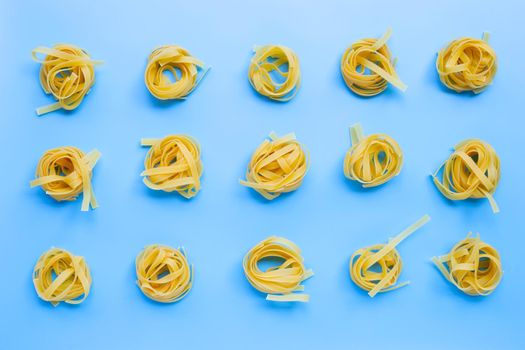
{"x":273,"y":59}
{"x":472,"y":265}
{"x":282,"y":281}
{"x":376,"y":269}
{"x":367,"y":67}
{"x":163,"y":273}
{"x":467,"y":64}
{"x":65,"y":172}
{"x":61,"y":276}
{"x":187,"y":72}
{"x":67,"y":72}
{"x":173,"y":164}
{"x":472,"y":171}
{"x":277,"y":166}
{"x":372,"y":160}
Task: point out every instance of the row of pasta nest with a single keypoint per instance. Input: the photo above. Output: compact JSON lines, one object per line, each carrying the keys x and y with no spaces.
{"x":68,"y":72}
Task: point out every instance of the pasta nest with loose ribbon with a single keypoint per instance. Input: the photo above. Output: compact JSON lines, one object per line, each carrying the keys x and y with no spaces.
{"x":163,"y":273}
{"x":280,"y":61}
{"x":473,"y":266}
{"x":376,"y":269}
{"x":277,"y":166}
{"x":472,"y":171}
{"x":173,"y":164}
{"x":282,"y":281}
{"x":67,"y":73}
{"x":65,"y":172}
{"x":61,"y":276}
{"x":372,"y":160}
{"x":187,"y":72}
{"x":467,"y":64}
{"x":367,"y":67}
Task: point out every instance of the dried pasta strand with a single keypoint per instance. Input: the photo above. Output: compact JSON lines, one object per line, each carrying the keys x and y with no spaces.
{"x":277,"y":166}
{"x":280,"y":282}
{"x":67,"y":73}
{"x":65,"y":172}
{"x":163,"y":273}
{"x":187,"y":71}
{"x":367,"y":67}
{"x":270,"y":59}
{"x":473,"y":266}
{"x":467,"y":64}
{"x":364,"y":261}
{"x":472,"y":171}
{"x":372,"y":160}
{"x":173,"y":164}
{"x":61,"y":276}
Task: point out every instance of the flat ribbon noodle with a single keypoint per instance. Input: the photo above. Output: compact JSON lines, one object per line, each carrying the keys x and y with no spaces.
{"x":473,"y":266}
{"x":367,"y":67}
{"x":271,"y":59}
{"x":472,"y":171}
{"x":372,"y":160}
{"x":364,"y":261}
{"x":163,"y":273}
{"x":61,"y":276}
{"x":65,"y":172}
{"x":467,"y":64}
{"x":67,"y":72}
{"x":277,"y":166}
{"x":173,"y":164}
{"x":280,"y":282}
{"x":187,"y":71}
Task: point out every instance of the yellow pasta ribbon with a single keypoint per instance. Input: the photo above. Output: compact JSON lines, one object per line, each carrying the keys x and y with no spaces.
{"x":472,"y":171}
{"x":467,"y":64}
{"x":279,"y":282}
{"x":472,"y":265}
{"x":173,"y":164}
{"x":187,"y":72}
{"x":163,"y":273}
{"x":270,"y":59}
{"x":372,"y":160}
{"x":277,"y":166}
{"x":67,"y":73}
{"x":65,"y":172}
{"x":367,"y":67}
{"x":61,"y":276}
{"x":365,"y":263}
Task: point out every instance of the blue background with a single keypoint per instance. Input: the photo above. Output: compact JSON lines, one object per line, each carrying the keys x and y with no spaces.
{"x":328,"y":217}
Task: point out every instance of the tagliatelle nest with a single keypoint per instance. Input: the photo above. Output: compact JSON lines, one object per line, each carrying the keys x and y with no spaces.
{"x":277,"y":166}
{"x":472,"y":265}
{"x":282,"y":281}
{"x":467,"y":64}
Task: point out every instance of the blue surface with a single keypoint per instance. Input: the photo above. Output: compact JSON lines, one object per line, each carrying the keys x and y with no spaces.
{"x":328,"y":217}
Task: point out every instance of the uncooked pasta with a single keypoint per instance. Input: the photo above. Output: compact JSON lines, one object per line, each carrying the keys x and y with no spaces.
{"x":281,"y":282}
{"x":472,"y":171}
{"x":372,"y":160}
{"x":467,"y":64}
{"x":173,"y":164}
{"x":65,"y":172}
{"x":186,"y":72}
{"x":61,"y":276}
{"x":376,"y":269}
{"x":367,"y":67}
{"x":67,"y":73}
{"x":277,"y":166}
{"x":274,"y":72}
{"x":472,"y":265}
{"x":163,"y":273}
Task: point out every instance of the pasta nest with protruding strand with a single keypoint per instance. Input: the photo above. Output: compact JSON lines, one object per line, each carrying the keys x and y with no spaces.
{"x":65,"y":172}
{"x":277,"y":166}
{"x":173,"y":164}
